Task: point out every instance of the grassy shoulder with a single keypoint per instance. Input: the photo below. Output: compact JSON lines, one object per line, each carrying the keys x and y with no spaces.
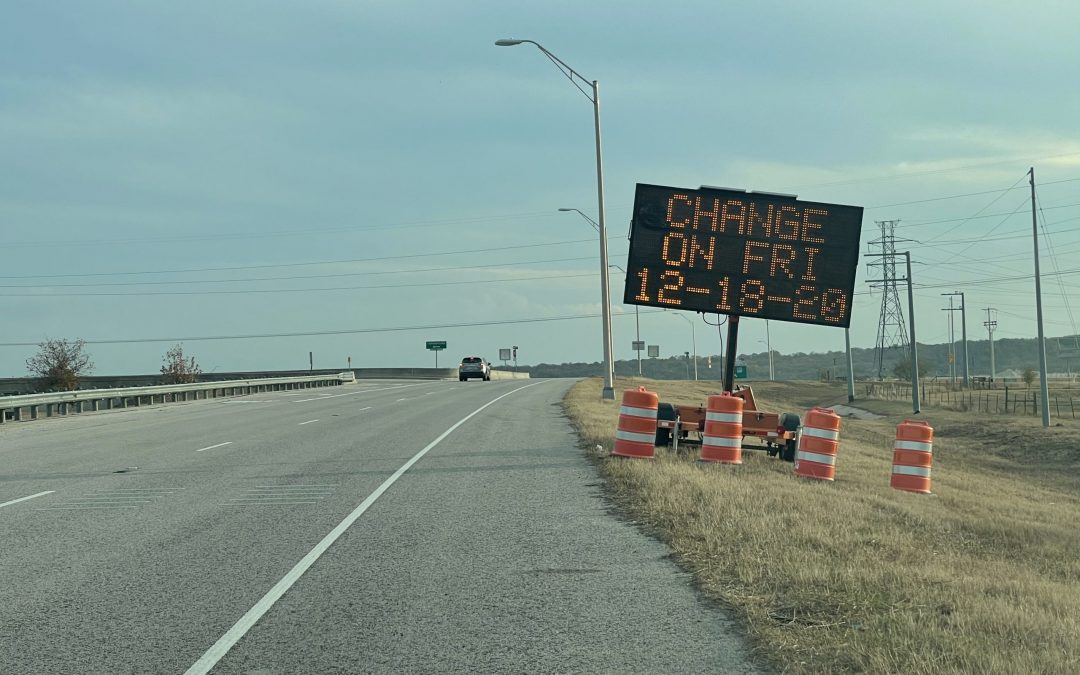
{"x":853,"y":576}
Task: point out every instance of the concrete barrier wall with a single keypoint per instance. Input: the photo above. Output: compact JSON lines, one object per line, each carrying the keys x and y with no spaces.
{"x":508,"y":375}
{"x":406,"y":373}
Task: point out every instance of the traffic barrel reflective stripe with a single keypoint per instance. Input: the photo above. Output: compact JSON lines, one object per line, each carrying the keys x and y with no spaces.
{"x":912,"y":470}
{"x":815,"y":457}
{"x":636,"y":433}
{"x":914,"y":445}
{"x":912,"y":457}
{"x":819,"y":440}
{"x":721,"y":439}
{"x":828,"y":434}
{"x":633,"y":436}
{"x":637,"y":412}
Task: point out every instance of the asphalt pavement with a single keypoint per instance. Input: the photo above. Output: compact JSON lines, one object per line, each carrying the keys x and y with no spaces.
{"x":386,"y":526}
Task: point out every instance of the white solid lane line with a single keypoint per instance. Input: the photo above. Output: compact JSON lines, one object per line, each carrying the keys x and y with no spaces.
{"x":214,"y":446}
{"x":241,"y":627}
{"x":23,"y":499}
{"x":308,"y":422}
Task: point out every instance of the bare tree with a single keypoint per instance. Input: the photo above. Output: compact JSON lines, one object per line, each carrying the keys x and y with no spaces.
{"x":59,"y":364}
{"x":177,"y":368}
{"x":1028,"y":376}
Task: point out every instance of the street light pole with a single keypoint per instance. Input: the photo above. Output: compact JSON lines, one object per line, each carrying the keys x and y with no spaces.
{"x":637,"y":317}
{"x":768,"y":345}
{"x":605,"y":297}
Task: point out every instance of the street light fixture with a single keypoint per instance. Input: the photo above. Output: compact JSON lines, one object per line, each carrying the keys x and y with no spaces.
{"x":593,"y":94}
{"x":592,"y":222}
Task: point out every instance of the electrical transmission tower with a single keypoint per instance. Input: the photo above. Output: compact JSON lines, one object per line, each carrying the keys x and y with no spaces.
{"x":892,"y":333}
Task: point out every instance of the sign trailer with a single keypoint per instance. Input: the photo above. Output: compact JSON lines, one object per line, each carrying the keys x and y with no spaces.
{"x":742,"y":254}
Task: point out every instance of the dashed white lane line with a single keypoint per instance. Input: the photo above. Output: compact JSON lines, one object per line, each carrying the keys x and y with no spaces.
{"x":112,"y":498}
{"x":363,"y":409}
{"x":353,"y":393}
{"x":308,"y":422}
{"x":211,"y":447}
{"x":226,"y":642}
{"x":23,"y":499}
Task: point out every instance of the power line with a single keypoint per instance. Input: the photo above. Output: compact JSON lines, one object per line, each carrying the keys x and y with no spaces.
{"x":292,"y":290}
{"x":354,"y":331}
{"x":923,"y":223}
{"x":301,"y":276}
{"x":1053,"y":259}
{"x":966,"y":194}
{"x":928,"y":172}
{"x":277,"y":233}
{"x":966,"y":220}
{"x":302,"y":264}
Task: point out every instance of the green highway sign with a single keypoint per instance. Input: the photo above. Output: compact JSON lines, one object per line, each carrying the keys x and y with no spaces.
{"x":740,"y":372}
{"x":436,"y":345}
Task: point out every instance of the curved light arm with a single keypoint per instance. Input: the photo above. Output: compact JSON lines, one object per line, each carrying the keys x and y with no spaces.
{"x":592,"y":222}
{"x":563,"y":67}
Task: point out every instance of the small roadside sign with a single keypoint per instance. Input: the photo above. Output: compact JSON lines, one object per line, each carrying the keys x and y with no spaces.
{"x":654,"y":351}
{"x":436,"y":345}
{"x":740,"y":372}
{"x":639,"y":345}
{"x":504,"y":354}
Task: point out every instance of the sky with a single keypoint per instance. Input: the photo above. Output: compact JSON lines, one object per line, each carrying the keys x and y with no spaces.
{"x":354,"y":179}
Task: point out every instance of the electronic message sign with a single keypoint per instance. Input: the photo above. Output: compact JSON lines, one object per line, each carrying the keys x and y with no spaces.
{"x":743,"y":254}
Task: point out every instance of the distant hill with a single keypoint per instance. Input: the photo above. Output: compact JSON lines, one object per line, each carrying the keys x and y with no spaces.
{"x":1062,"y":356}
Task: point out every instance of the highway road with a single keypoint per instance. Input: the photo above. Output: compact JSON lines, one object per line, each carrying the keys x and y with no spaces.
{"x":386,"y":526}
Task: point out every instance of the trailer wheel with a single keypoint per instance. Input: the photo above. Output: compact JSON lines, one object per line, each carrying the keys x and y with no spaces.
{"x":664,"y":411}
{"x":788,"y":453}
{"x":790,"y":421}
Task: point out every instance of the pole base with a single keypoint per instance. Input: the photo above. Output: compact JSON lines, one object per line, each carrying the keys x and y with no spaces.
{"x":609,"y":393}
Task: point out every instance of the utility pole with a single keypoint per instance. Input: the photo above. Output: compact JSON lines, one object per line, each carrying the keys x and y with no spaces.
{"x":914,"y":352}
{"x":990,"y":325}
{"x":952,"y":340}
{"x":963,"y":330}
{"x":637,"y":322}
{"x":850,"y":367}
{"x":1038,"y":310}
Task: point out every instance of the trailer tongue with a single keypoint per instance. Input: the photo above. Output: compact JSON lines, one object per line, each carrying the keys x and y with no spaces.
{"x":774,"y":432}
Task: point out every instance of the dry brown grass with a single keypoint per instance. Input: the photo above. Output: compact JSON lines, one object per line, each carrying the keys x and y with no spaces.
{"x":852,"y":576}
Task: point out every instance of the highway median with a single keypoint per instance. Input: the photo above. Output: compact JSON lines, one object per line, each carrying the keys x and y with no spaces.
{"x":852,"y":575}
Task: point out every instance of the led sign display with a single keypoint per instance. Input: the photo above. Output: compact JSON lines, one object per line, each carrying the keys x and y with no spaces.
{"x":744,"y":254}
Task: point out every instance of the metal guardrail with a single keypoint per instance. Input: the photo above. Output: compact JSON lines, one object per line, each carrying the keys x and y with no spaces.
{"x":78,"y":399}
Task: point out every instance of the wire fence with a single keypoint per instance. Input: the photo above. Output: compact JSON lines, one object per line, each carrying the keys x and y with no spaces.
{"x":1005,"y":401}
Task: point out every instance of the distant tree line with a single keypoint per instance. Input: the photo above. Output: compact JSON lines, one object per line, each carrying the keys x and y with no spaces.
{"x":1062,"y":356}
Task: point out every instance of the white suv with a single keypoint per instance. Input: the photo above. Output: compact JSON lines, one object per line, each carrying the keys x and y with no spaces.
{"x":474,"y":366}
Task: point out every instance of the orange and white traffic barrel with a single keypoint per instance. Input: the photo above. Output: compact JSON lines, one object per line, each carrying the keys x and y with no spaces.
{"x":912,"y":456}
{"x":636,"y":433}
{"x":721,"y":439}
{"x":818,"y":440}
